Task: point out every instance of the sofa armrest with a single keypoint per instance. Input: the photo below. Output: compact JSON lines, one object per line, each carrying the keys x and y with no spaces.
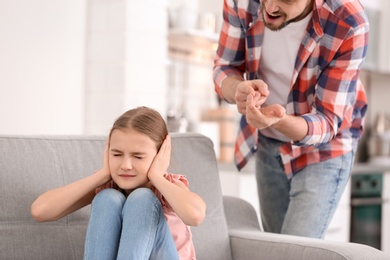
{"x":254,"y":244}
{"x":240,"y":214}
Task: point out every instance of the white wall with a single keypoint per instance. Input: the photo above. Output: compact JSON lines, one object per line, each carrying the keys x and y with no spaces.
{"x":126,"y":59}
{"x":214,"y":6}
{"x":42,"y":51}
{"x":43,"y":75}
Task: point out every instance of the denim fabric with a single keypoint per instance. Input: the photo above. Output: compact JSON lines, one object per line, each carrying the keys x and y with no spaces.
{"x":305,"y":204}
{"x":128,"y":228}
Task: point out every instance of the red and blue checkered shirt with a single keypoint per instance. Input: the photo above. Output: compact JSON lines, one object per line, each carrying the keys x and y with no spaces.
{"x":325,"y":89}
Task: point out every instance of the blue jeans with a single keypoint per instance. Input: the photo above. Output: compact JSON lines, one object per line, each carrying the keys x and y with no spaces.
{"x":128,"y":228}
{"x":305,"y":204}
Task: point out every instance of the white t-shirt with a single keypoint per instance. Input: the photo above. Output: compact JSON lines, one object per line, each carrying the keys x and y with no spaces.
{"x":278,"y":55}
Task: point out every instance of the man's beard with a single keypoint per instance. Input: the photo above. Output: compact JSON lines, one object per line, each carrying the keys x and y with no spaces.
{"x":285,"y":22}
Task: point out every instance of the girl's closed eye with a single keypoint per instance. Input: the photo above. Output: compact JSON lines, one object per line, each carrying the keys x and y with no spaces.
{"x":116,"y":153}
{"x":138,"y":156}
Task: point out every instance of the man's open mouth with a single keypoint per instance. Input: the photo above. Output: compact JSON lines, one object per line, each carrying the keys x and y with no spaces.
{"x":273,"y":16}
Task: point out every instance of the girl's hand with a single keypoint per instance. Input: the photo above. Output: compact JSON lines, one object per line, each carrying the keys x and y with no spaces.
{"x":188,"y":206}
{"x":105,"y":170}
{"x":161,"y":161}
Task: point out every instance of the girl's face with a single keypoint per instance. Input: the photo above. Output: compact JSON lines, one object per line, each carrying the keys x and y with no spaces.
{"x":130,"y":156}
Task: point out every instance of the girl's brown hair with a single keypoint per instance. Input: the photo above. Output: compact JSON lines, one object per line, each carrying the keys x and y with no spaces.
{"x":145,"y":121}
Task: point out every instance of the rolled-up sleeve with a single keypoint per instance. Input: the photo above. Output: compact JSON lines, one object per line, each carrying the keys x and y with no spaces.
{"x":230,"y":56}
{"x":337,"y":100}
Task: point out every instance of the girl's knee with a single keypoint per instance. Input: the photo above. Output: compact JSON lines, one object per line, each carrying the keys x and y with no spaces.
{"x":109,"y":199}
{"x":142,"y":198}
{"x":141,"y":193}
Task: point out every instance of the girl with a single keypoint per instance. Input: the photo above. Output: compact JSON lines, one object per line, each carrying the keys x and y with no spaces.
{"x":139,"y":211}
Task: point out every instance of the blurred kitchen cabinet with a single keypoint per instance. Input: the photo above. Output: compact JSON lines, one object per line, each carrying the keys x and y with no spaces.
{"x":190,"y":66}
{"x":370,"y":206}
{"x":378,"y":53}
{"x":225,"y":118}
{"x":385,"y":239}
{"x":193,"y":46}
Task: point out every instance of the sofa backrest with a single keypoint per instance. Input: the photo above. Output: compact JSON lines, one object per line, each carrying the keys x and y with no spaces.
{"x":31,"y":165}
{"x":193,"y":155}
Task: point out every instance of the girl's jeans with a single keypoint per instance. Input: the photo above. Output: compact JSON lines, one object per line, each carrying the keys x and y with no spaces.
{"x":305,"y":204}
{"x":128,"y":228}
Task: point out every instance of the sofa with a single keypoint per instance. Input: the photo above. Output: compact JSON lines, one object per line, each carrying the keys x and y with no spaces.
{"x":31,"y":165}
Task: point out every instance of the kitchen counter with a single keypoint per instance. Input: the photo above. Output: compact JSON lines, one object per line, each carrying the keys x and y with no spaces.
{"x":366,"y":168}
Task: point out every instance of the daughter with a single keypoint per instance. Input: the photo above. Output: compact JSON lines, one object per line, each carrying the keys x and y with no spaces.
{"x":139,"y":211}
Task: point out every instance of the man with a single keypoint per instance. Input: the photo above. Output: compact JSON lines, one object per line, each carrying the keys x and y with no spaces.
{"x":302,"y":103}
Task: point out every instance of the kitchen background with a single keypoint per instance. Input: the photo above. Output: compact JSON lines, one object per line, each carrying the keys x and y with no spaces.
{"x":72,"y":67}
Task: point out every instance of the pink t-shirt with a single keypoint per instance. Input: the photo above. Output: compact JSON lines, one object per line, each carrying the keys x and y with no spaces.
{"x":181,"y":233}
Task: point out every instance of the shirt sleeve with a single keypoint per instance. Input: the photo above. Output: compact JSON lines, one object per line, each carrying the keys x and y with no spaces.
{"x":338,"y":92}
{"x":230,"y":56}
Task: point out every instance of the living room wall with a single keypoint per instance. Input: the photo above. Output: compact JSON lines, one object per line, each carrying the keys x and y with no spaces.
{"x":42,"y":50}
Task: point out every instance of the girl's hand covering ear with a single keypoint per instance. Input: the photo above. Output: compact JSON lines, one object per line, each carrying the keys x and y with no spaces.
{"x":161,"y":161}
{"x":106,"y":166}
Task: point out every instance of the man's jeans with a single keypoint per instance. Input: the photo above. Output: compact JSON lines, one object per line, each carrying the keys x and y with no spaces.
{"x":304,"y":205}
{"x":128,"y":228}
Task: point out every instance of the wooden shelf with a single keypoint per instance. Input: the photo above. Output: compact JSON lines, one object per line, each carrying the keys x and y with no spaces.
{"x":192,"y":45}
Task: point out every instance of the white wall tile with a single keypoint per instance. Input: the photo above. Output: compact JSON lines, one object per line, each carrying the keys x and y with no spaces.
{"x":156,"y":102}
{"x":42,"y":66}
{"x":105,"y":1}
{"x":116,"y":16}
{"x":97,"y":18}
{"x":127,"y":61}
{"x":147,"y":18}
{"x":145,"y":76}
{"x":106,"y":47}
{"x":149,"y":48}
{"x":116,"y":76}
{"x":99,"y":128}
{"x":104,"y":107}
{"x":105,"y":77}
{"x":97,"y":78}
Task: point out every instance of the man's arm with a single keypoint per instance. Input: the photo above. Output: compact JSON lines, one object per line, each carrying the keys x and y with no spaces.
{"x":229,"y":87}
{"x":229,"y":63}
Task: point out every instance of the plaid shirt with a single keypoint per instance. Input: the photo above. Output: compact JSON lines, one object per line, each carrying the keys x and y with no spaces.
{"x":325,"y":88}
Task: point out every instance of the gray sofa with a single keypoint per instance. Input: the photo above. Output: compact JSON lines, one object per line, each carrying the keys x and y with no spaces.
{"x":30,"y":165}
